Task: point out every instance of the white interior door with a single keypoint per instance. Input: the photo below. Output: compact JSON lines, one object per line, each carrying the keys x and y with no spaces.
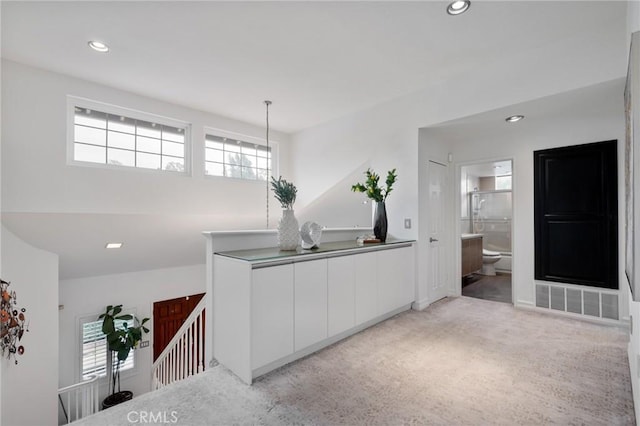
{"x":438,"y":285}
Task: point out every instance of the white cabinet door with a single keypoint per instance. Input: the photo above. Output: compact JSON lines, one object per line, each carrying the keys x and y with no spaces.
{"x":341,"y":294}
{"x":272,"y":314}
{"x":310,"y":303}
{"x":366,"y":287}
{"x":396,"y":278}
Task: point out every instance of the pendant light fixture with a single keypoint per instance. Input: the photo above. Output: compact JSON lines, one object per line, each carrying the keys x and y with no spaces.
{"x":267,"y":103}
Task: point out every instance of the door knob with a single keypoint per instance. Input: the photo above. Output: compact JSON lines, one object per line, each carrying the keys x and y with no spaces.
{"x":431,"y":240}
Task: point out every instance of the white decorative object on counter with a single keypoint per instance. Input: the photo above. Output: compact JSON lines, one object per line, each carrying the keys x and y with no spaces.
{"x":288,"y":231}
{"x":310,"y":232}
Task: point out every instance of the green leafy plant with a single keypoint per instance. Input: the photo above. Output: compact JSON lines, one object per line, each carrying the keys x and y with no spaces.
{"x":284,"y":191}
{"x":371,"y":187}
{"x":121,"y":338}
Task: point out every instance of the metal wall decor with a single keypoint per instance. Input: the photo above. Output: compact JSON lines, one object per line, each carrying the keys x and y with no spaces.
{"x":12,"y":323}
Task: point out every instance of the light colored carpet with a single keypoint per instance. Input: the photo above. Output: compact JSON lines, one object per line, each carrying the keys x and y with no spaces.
{"x":462,"y":361}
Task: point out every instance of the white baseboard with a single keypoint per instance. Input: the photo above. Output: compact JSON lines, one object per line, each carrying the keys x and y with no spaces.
{"x":525,"y":304}
{"x":419,"y":305}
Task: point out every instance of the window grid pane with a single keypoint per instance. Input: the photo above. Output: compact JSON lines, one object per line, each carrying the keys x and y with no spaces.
{"x":236,"y":158}
{"x":113,"y":139}
{"x":121,"y":157}
{"x":94,"y":351}
{"x":90,"y":153}
{"x":214,"y":169}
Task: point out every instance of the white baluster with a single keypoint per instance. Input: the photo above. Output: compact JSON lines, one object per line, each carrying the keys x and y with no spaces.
{"x":184,"y":355}
{"x":189,"y":351}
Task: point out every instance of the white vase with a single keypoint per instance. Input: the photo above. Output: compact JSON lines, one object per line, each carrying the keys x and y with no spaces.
{"x":288,"y":231}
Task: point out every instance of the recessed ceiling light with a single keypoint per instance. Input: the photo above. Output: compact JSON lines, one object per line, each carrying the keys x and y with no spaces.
{"x":98,"y":46}
{"x":113,"y":245}
{"x":457,"y":7}
{"x":514,"y":118}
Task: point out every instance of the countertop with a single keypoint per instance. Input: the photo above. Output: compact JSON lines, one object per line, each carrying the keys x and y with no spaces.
{"x":470,"y":236}
{"x":275,"y":254}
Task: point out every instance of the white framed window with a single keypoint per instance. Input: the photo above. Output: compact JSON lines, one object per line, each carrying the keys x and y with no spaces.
{"x":94,"y":354}
{"x":238,"y":156}
{"x":110,"y":136}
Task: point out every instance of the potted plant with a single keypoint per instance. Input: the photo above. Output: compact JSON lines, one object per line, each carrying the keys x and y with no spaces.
{"x":122,"y":338}
{"x":288,"y":229}
{"x":372,"y":190}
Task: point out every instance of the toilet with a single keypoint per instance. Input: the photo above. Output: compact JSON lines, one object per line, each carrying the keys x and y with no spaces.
{"x":489,"y":258}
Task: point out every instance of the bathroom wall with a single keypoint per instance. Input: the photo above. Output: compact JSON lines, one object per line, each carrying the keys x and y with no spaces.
{"x":468,"y":183}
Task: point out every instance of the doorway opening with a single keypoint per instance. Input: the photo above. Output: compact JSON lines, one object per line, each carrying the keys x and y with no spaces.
{"x":486,"y":200}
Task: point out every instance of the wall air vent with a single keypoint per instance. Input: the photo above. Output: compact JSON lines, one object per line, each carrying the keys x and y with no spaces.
{"x":542,"y":296}
{"x":589,"y":303}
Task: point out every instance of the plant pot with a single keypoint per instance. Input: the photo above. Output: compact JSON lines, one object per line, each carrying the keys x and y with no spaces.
{"x":288,"y":231}
{"x":116,"y":398}
{"x":380,"y":221}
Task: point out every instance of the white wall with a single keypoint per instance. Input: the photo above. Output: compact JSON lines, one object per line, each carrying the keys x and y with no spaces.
{"x":0,"y":208}
{"x":29,"y":388}
{"x":36,"y":179}
{"x":34,"y":147}
{"x":589,"y":115}
{"x":386,"y":136}
{"x":633,"y":18}
{"x":342,"y":150}
{"x":323,"y":161}
{"x":137,"y":290}
{"x":633,"y":25}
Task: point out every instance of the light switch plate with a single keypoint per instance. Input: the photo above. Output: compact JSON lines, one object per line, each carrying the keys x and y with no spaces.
{"x":144,"y":344}
{"x":407,"y":223}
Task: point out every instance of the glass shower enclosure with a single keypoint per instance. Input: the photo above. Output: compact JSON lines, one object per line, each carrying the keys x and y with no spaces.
{"x":490,"y":214}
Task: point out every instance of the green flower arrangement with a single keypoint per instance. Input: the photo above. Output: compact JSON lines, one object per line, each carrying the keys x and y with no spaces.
{"x":285,"y":192}
{"x":371,"y":188}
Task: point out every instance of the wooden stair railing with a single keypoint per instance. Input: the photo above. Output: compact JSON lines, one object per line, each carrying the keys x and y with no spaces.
{"x":184,"y":354}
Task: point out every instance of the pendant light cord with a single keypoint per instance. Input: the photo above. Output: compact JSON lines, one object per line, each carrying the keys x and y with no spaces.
{"x":267,"y":103}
